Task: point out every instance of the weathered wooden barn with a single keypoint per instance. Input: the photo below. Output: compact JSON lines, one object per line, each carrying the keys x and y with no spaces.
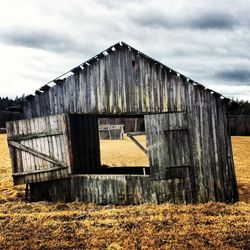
{"x":56,"y":148}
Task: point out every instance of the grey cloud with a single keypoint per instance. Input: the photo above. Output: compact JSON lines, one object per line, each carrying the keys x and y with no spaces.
{"x":240,"y":76}
{"x":154,"y":20}
{"x":213,"y":21}
{"x":60,"y":43}
{"x":36,"y":39}
{"x":210,"y":20}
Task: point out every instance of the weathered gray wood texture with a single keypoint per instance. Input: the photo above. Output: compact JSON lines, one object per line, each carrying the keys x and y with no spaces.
{"x":110,"y":189}
{"x":39,"y":149}
{"x":127,"y":82}
{"x":168,"y":142}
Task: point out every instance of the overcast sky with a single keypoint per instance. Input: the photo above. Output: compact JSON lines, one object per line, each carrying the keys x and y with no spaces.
{"x":208,"y":41}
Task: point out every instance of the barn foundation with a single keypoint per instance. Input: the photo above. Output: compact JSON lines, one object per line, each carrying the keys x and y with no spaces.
{"x":113,"y":189}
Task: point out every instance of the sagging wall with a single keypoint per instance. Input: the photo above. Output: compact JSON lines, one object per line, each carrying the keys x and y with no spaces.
{"x":211,"y":148}
{"x":127,"y":82}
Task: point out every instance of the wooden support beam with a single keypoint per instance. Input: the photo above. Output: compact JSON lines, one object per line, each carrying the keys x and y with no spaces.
{"x":137,"y":143}
{"x":33,"y":136}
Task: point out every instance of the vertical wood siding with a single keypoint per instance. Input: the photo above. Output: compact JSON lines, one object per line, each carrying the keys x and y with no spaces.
{"x":168,"y":142}
{"x":211,"y":151}
{"x":46,"y":136}
{"x":121,"y":82}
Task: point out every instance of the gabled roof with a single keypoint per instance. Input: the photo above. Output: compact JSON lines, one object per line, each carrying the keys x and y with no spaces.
{"x":110,"y":50}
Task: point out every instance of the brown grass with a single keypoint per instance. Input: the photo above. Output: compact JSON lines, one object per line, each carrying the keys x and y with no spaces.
{"x":241,"y":149}
{"x":44,"y":225}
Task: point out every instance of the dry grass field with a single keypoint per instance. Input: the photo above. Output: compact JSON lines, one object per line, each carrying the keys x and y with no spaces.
{"x":44,"y":225}
{"x":115,"y":152}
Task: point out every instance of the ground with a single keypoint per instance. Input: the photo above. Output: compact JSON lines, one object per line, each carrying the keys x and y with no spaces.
{"x":44,"y":225}
{"x":116,"y":152}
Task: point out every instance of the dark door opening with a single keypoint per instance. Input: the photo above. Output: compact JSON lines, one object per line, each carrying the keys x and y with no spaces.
{"x":88,"y":149}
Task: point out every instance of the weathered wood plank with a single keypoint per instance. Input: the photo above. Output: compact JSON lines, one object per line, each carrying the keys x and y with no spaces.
{"x":38,"y":171}
{"x":33,"y":136}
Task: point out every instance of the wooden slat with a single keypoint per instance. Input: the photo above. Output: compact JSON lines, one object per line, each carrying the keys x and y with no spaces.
{"x":168,"y":142}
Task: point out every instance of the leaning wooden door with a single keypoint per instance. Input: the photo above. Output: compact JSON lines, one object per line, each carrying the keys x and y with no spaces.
{"x":168,"y":145}
{"x":39,"y":149}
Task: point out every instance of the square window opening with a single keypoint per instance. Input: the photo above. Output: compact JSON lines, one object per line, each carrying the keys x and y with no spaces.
{"x":123,"y":144}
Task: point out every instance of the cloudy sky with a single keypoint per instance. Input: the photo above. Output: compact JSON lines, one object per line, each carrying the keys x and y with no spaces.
{"x":207,"y":41}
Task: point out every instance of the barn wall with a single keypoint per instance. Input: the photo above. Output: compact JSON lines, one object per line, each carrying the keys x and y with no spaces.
{"x":210,"y":144}
{"x":127,"y":82}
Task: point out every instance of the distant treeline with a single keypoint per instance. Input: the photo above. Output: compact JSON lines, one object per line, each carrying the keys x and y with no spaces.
{"x":239,"y":108}
{"x":7,"y":114}
{"x":239,"y":116}
{"x":6,"y":102}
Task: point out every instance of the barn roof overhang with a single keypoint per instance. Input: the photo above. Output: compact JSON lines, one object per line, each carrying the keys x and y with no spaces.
{"x":60,"y":79}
